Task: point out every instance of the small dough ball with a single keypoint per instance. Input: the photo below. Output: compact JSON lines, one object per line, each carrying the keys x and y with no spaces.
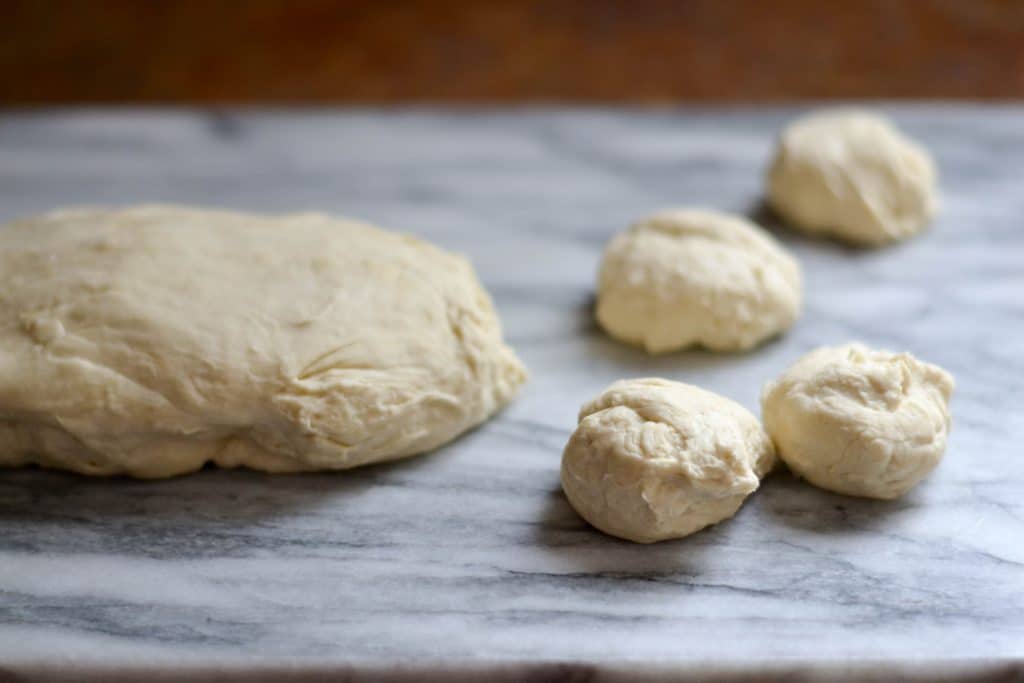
{"x":653,"y":459}
{"x":859,"y":422}
{"x":693,"y":276}
{"x":852,"y":175}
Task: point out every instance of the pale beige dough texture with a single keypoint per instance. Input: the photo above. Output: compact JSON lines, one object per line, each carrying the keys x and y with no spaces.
{"x":689,"y":277}
{"x":653,"y":459}
{"x":859,"y":421}
{"x":151,"y":340}
{"x":852,"y":175}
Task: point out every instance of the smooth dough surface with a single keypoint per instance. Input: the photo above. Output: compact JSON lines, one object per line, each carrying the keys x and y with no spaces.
{"x":653,"y":459}
{"x":693,"y":276}
{"x":858,"y":421}
{"x":852,"y":175}
{"x":151,"y":340}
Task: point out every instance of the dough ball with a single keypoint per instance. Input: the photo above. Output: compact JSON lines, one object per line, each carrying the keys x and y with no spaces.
{"x":693,"y":276}
{"x":859,"y":422}
{"x":151,"y":340}
{"x":653,"y":459}
{"x":852,"y":175}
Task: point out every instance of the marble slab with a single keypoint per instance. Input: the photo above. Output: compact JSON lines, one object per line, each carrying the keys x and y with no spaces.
{"x":470,"y":557}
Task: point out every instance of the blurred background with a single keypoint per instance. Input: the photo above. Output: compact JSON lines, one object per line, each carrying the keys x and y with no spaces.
{"x":506,"y":51}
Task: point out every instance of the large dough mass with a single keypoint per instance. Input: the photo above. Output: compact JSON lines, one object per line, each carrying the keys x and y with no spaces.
{"x":151,"y":340}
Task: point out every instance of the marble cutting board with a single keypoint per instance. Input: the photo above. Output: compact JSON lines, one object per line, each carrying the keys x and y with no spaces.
{"x":470,"y":556}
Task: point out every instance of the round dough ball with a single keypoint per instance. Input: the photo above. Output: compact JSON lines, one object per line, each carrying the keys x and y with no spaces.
{"x":852,"y":175}
{"x":693,"y":276}
{"x":859,"y":422}
{"x":148,"y":341}
{"x":653,"y":459}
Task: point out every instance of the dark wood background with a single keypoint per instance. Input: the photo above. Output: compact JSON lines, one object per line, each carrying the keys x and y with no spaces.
{"x":367,"y":51}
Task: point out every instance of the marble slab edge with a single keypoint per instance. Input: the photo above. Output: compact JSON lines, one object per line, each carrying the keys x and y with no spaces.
{"x":931,"y":671}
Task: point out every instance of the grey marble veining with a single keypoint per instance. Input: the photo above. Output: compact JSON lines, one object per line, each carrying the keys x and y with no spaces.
{"x":471,"y":554}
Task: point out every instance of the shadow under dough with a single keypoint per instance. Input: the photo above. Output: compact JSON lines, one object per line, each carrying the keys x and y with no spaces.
{"x":795,"y":503}
{"x":768,"y":218}
{"x":583,"y":549}
{"x":209,"y":497}
{"x":604,"y":350}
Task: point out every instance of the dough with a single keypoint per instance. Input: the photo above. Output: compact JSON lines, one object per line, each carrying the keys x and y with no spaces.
{"x":859,"y":422}
{"x":852,"y":175}
{"x":653,"y":459}
{"x":693,"y":276}
{"x":151,"y":340}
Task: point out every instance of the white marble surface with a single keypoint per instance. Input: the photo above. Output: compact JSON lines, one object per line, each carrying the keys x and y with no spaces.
{"x":471,"y":554}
